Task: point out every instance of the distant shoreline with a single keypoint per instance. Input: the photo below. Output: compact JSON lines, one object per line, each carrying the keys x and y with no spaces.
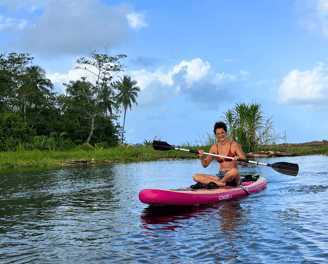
{"x":10,"y":161}
{"x":311,"y":143}
{"x":290,"y":149}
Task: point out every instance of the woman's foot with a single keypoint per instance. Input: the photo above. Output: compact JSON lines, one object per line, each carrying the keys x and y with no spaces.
{"x":212,"y":185}
{"x":198,"y":185}
{"x":233,"y":183}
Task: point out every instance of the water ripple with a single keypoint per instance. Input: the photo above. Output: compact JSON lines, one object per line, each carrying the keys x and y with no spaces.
{"x":93,"y":215}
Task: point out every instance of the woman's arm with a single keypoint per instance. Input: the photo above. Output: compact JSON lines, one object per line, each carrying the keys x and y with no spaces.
{"x":240,"y":154}
{"x":207,"y":161}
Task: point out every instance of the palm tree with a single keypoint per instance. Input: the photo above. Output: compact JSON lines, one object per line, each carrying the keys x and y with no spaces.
{"x":108,"y":102}
{"x":36,"y":78}
{"x":33,"y":85}
{"x":128,"y":91}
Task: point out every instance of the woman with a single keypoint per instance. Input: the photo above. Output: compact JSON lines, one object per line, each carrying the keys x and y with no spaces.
{"x":228,"y":174}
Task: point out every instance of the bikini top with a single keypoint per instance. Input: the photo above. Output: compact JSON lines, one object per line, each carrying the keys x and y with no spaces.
{"x":230,"y":154}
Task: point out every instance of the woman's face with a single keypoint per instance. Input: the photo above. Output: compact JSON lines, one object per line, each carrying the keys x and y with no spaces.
{"x":220,"y":134}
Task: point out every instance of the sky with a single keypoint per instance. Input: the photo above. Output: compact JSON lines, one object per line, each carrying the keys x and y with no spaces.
{"x":193,"y":60}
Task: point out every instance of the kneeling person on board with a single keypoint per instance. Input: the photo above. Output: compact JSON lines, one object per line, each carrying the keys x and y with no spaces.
{"x":228,"y":174}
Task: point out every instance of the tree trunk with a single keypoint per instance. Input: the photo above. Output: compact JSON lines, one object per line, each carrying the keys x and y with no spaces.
{"x":92,"y":127}
{"x":123,"y":123}
{"x":24,"y":109}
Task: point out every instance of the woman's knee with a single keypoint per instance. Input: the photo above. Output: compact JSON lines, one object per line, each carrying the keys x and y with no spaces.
{"x":196,"y":177}
{"x":232,"y":173}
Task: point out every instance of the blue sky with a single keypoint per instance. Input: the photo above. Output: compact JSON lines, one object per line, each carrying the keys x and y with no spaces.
{"x":193,"y":60}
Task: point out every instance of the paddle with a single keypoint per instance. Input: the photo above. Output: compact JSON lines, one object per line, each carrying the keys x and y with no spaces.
{"x":281,"y":167}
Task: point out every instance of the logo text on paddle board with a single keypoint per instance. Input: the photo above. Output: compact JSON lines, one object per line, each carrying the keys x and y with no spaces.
{"x":224,"y":197}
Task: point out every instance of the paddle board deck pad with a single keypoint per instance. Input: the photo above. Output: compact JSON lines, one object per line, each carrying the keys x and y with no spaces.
{"x":191,"y":197}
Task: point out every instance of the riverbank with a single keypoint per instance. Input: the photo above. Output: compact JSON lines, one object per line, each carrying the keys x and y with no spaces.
{"x":288,"y":150}
{"x":122,"y":154}
{"x":53,"y":159}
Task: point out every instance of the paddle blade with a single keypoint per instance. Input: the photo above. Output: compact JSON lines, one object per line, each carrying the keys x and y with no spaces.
{"x":161,"y":145}
{"x":286,"y":168}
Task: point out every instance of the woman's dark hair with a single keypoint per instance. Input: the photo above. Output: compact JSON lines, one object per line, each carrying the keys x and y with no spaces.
{"x":220,"y":125}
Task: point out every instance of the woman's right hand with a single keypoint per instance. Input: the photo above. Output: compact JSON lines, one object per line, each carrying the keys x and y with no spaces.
{"x":201,"y":153}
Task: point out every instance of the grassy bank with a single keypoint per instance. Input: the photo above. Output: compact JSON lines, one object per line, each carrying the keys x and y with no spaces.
{"x":53,"y":159}
{"x":298,"y":149}
{"x":46,"y":159}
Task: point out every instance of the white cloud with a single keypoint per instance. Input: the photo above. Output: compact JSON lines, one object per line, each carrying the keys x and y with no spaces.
{"x":73,"y":75}
{"x":313,"y":15}
{"x":136,"y":20}
{"x":309,"y":88}
{"x":193,"y":79}
{"x":8,"y":23}
{"x":196,"y":69}
{"x":70,"y":27}
{"x":223,"y":77}
{"x":244,"y":73}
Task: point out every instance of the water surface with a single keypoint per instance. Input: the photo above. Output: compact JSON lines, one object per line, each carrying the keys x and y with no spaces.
{"x":93,"y":215}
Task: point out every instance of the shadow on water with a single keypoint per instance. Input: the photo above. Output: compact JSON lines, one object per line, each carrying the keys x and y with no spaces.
{"x":229,"y":215}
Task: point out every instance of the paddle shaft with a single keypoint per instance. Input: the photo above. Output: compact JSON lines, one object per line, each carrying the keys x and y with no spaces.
{"x":281,"y":167}
{"x":215,"y":155}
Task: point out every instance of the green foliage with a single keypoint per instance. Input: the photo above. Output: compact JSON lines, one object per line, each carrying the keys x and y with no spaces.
{"x":12,"y":76}
{"x":87,"y":146}
{"x":101,"y":145}
{"x":51,"y":159}
{"x":248,"y":126}
{"x":25,"y":91}
{"x":67,"y":145}
{"x":298,"y":150}
{"x":127,"y":94}
{"x":14,"y":133}
{"x":55,"y":142}
{"x":99,"y":97}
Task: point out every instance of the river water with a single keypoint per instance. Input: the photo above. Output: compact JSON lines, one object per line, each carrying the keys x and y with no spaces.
{"x":93,"y":215}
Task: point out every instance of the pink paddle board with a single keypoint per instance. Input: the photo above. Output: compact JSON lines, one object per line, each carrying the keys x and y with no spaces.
{"x":190,"y":197}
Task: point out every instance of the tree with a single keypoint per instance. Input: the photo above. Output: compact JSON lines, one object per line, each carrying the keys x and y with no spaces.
{"x":108,"y":102}
{"x":12,"y":72}
{"x":128,"y":91}
{"x":38,"y":78}
{"x":101,"y":66}
{"x":35,"y":86}
{"x":249,"y":126}
{"x":14,"y":132}
{"x":82,"y":101}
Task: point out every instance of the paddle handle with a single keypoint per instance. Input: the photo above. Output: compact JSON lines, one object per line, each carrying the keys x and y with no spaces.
{"x":215,"y":155}
{"x":226,"y":157}
{"x":253,"y":162}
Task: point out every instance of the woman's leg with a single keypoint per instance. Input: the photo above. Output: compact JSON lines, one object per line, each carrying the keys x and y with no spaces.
{"x":231,"y":175}
{"x":206,"y":179}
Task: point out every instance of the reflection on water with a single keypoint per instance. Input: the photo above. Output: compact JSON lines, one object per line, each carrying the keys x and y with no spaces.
{"x":168,"y":217}
{"x":93,"y":215}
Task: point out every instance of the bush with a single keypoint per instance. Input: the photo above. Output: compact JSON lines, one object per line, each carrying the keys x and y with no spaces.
{"x":87,"y":146}
{"x":102,"y":145}
{"x":13,"y":131}
{"x":67,"y":145}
